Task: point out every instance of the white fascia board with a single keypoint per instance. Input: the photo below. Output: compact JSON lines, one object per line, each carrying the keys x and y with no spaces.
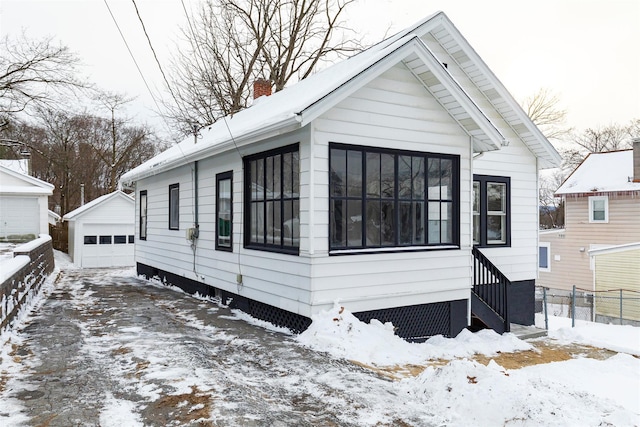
{"x":460,"y":95}
{"x":29,"y":179}
{"x":556,"y":159}
{"x":278,"y":128}
{"x":412,"y":44}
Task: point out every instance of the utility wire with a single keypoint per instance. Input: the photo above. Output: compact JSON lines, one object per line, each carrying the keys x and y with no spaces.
{"x":132,"y":56}
{"x":144,"y":29}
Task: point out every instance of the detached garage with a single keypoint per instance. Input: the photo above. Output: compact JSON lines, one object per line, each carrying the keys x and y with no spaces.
{"x":23,"y":205}
{"x":101,"y":232}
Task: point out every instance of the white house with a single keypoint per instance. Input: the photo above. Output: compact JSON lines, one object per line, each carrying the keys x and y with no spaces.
{"x":101,"y":232}
{"x":401,"y":183}
{"x":24,"y":205}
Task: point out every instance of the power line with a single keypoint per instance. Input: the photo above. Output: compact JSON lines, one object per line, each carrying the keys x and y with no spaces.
{"x":132,"y":56}
{"x":144,"y":29}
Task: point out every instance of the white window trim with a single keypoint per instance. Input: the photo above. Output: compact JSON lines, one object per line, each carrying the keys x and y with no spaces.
{"x":548,"y":246}
{"x":593,"y":199}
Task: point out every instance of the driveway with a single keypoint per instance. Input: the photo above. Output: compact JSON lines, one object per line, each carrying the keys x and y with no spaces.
{"x":107,"y":348}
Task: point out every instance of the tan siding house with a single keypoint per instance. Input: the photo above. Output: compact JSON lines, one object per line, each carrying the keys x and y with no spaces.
{"x":602,"y":209}
{"x":617,"y":268}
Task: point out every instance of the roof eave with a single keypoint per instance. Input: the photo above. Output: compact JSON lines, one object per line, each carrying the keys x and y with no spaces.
{"x":277,"y":128}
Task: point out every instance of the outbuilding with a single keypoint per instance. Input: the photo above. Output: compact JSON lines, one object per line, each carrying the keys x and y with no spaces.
{"x":101,"y":232}
{"x":24,"y":206}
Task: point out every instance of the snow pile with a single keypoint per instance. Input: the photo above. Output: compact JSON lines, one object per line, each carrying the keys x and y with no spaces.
{"x":618,"y":338}
{"x":339,"y":333}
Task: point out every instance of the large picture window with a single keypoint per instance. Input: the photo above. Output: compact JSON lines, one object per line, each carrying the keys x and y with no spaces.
{"x":174,"y":207}
{"x":272,"y":216}
{"x":491,"y":211}
{"x":382,"y":198}
{"x":224,"y":211}
{"x":143,"y":215}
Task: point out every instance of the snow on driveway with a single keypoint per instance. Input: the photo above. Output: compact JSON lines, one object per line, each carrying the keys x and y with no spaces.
{"x":107,"y":348}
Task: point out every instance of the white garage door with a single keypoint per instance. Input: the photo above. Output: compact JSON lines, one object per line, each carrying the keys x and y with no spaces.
{"x":19,"y":216}
{"x":107,"y":245}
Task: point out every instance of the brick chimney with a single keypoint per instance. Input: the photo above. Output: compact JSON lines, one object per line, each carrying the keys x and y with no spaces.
{"x":261,"y":87}
{"x":636,"y":160}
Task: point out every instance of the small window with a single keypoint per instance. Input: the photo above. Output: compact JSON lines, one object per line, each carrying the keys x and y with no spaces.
{"x":224,"y":211}
{"x":544,"y":256}
{"x":599,"y":209}
{"x":174,"y":207}
{"x":90,"y":240}
{"x":120,"y":240}
{"x":143,"y":215}
{"x":491,"y":211}
{"x":131,"y":238}
{"x":105,"y":240}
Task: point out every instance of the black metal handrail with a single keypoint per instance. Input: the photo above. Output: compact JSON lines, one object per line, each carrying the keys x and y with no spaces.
{"x":491,"y":285}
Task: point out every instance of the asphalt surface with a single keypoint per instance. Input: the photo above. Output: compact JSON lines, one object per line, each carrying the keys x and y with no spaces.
{"x":107,"y":348}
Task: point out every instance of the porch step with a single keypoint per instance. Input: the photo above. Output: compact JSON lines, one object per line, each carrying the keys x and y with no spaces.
{"x":527,"y":332}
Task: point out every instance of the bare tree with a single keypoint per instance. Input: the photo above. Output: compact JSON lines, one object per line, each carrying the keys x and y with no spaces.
{"x":33,"y":73}
{"x":233,"y":42}
{"x":543,"y":109}
{"x":551,"y":207}
{"x":119,"y":145}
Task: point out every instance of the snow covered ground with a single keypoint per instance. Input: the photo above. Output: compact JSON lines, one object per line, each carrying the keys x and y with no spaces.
{"x":233,"y":370}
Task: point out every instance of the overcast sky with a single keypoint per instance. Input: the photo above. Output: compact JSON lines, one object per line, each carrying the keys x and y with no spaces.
{"x":586,"y":51}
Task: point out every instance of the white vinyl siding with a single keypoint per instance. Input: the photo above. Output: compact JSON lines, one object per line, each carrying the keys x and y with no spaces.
{"x":394,"y":111}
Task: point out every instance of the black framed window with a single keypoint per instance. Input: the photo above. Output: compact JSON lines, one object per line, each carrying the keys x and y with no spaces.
{"x":90,"y":240}
{"x":381,"y":198}
{"x":272,"y":200}
{"x":174,"y":207}
{"x":491,"y":211}
{"x":143,"y":215}
{"x":120,"y":240}
{"x":224,"y":211}
{"x":105,"y":240}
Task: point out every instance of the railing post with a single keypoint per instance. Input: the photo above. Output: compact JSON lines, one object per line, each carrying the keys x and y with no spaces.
{"x":573,"y":307}
{"x":546,"y":312}
{"x":621,"y":306}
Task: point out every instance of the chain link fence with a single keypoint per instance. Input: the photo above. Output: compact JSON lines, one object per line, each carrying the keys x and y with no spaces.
{"x":619,"y":306}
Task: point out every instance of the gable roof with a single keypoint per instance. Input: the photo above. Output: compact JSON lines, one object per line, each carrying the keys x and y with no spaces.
{"x":76,"y":213}
{"x":34,"y":185}
{"x":299,"y":104}
{"x":602,"y":173}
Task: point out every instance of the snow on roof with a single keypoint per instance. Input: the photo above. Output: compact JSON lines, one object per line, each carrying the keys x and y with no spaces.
{"x":21,"y":165}
{"x":95,"y":202}
{"x":602,"y":173}
{"x":297,"y":105}
{"x":37,"y":186}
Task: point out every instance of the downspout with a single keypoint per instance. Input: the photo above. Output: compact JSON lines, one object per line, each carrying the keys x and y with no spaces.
{"x":196,"y":225}
{"x":470,"y":228}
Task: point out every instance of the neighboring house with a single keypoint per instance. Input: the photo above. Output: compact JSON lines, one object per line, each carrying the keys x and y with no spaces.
{"x":377,"y":184}
{"x":101,"y":232}
{"x":53,"y":218}
{"x":24,"y":205}
{"x":616,"y":280}
{"x":602,"y":208}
